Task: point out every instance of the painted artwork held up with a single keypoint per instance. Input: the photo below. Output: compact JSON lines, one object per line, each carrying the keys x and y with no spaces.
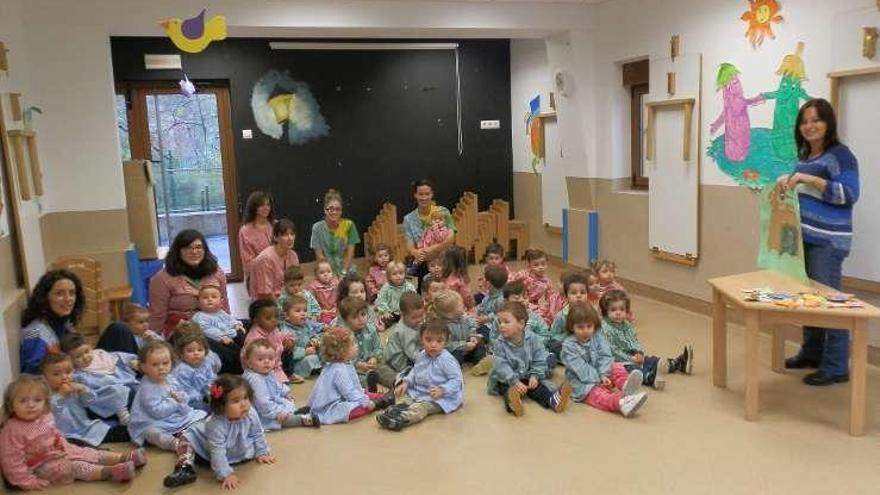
{"x":277,"y":100}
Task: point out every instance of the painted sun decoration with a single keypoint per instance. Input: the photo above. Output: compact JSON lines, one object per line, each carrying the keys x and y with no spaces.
{"x":761,"y":16}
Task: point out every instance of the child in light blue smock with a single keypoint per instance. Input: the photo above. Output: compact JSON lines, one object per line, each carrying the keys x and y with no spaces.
{"x":273,"y":400}
{"x":303,"y":359}
{"x":198,"y":366}
{"x":109,"y":375}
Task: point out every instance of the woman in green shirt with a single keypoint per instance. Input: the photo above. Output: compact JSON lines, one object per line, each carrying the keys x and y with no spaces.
{"x":334,"y":237}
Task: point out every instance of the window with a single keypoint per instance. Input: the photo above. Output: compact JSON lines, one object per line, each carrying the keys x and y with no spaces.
{"x":122,"y":127}
{"x":635,"y":79}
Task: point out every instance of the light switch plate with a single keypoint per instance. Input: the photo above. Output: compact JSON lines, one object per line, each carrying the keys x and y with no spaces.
{"x":247,"y":134}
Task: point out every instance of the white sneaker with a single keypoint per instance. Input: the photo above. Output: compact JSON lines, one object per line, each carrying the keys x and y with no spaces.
{"x":633,"y":383}
{"x":660,"y":375}
{"x":631,"y":403}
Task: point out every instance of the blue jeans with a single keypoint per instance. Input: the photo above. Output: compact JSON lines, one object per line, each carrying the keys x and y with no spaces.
{"x":830,"y":348}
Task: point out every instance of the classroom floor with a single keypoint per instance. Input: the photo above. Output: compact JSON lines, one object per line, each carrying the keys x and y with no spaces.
{"x":689,"y":439}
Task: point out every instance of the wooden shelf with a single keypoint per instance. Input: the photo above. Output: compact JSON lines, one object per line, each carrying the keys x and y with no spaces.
{"x":547,"y":115}
{"x":687,"y":259}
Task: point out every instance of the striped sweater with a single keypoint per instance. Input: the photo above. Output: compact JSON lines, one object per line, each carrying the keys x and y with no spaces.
{"x":826,"y":217}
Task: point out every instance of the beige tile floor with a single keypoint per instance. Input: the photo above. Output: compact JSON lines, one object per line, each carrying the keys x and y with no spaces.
{"x":689,"y":439}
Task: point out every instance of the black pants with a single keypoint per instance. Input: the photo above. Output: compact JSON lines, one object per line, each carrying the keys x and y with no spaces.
{"x":117,"y":337}
{"x":476,"y":354}
{"x":541,"y":394}
{"x":116,"y":434}
{"x":229,"y":354}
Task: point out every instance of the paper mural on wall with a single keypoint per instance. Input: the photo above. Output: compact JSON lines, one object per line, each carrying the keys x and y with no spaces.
{"x":781,"y":244}
{"x":761,"y":16}
{"x":277,"y":100}
{"x":756,"y":156}
{"x":535,"y":131}
{"x":194,"y":34}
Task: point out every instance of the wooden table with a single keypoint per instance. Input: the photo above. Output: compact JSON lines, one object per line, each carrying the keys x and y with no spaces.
{"x":728,"y":290}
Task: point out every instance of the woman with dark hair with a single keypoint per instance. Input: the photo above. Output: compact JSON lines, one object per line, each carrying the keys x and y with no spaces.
{"x":416,"y":222}
{"x":826,"y":179}
{"x":334,"y":237}
{"x":267,"y":271}
{"x":255,"y":233}
{"x":174,"y":291}
{"x":53,"y":309}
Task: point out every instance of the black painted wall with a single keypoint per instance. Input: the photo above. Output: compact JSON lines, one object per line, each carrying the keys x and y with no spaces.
{"x":392,"y":118}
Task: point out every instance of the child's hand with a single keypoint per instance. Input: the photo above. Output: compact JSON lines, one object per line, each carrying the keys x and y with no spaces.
{"x":372,"y":363}
{"x":520,"y":387}
{"x":38,"y":484}
{"x":78,"y":388}
{"x":638,"y":358}
{"x":361,"y":366}
{"x":282,"y":417}
{"x":290,"y":396}
{"x":400,"y":390}
{"x":533,"y":382}
{"x":606,"y":382}
{"x":178,"y":396}
{"x":226,"y":340}
{"x":436,"y":392}
{"x":266,"y":459}
{"x":231,"y":482}
{"x":310,"y":350}
{"x":371,"y":406}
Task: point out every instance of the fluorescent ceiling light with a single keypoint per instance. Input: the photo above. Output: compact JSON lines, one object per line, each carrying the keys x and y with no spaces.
{"x":314,"y":45}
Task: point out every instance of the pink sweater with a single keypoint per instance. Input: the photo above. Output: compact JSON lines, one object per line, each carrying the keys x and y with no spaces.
{"x":267,"y":272}
{"x":174,"y":298}
{"x":376,"y":278}
{"x":252,"y":240}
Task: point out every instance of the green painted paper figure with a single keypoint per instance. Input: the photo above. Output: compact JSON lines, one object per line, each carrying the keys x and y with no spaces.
{"x":781,"y":239}
{"x":788,"y":97}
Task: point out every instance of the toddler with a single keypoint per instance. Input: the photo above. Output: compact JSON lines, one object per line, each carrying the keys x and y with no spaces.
{"x":494,"y":257}
{"x":34,"y":453}
{"x":539,"y":288}
{"x":69,"y":401}
{"x":215,"y":323}
{"x":338,"y":396}
{"x":324,"y":289}
{"x":437,"y":232}
{"x":376,"y":276}
{"x":109,"y":375}
{"x":455,"y":274}
{"x":264,"y":315}
{"x":198,"y":366}
{"x":574,"y":287}
{"x":294,"y":285}
{"x":403,"y":343}
{"x":434,"y":385}
{"x":519,"y":365}
{"x":304,"y":360}
{"x":353,"y":311}
{"x":273,"y":400}
{"x":496,"y":276}
{"x":467,"y":343}
{"x":354,"y":285}
{"x":137,"y":318}
{"x":388,"y":301}
{"x":596,"y":379}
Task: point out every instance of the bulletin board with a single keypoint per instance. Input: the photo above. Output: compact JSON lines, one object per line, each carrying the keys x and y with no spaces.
{"x":672,"y":157}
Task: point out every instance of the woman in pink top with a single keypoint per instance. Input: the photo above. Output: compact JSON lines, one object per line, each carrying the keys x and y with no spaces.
{"x":267,"y":269}
{"x":255,"y":234}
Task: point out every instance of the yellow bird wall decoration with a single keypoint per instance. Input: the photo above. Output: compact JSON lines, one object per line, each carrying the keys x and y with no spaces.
{"x":194,"y":35}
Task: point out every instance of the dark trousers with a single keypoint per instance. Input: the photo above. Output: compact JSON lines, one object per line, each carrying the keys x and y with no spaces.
{"x":830,"y":348}
{"x":648,"y":368}
{"x":478,"y":352}
{"x":118,"y":337}
{"x":541,"y":394}
{"x":229,"y":354}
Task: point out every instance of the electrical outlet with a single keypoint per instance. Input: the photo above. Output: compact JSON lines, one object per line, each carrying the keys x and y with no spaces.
{"x":247,"y":134}
{"x":490,"y":124}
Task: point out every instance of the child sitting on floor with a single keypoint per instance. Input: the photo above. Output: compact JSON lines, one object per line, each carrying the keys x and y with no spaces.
{"x":198,"y":366}
{"x":69,"y":401}
{"x":388,"y":301}
{"x":539,"y":288}
{"x":232,"y":434}
{"x":273,"y":400}
{"x":403,"y":340}
{"x":324,"y":289}
{"x":215,"y":323}
{"x":430,"y":288}
{"x":605,"y":271}
{"x":627,"y":349}
{"x":596,"y":379}
{"x":519,"y":366}
{"x":303,"y":360}
{"x":376,"y":275}
{"x":496,"y":276}
{"x":353,"y":311}
{"x":455,"y":274}
{"x":264,"y":314}
{"x":137,"y":318}
{"x":338,"y":396}
{"x":434,"y":384}
{"x":110,"y":376}
{"x":574,"y":287}
{"x":467,"y":341}
{"x":354,"y":285}
{"x":294,"y":285}
{"x":494,"y":257}
{"x":34,"y":453}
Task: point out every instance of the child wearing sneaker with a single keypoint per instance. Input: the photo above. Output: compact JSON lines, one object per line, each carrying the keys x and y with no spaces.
{"x":574,"y":287}
{"x":467,"y":342}
{"x":273,"y":400}
{"x":303,"y":359}
{"x":232,"y":434}
{"x":519,"y":366}
{"x":109,"y":375}
{"x":338,"y":396}
{"x":353,"y":311}
{"x":596,"y":379}
{"x":34,"y":453}
{"x":434,"y":385}
{"x":627,"y":349}
{"x":388,"y":301}
{"x":403,"y":344}
{"x":198,"y":366}
{"x":69,"y":401}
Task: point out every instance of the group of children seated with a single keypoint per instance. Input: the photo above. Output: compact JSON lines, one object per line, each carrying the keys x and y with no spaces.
{"x":374,"y":344}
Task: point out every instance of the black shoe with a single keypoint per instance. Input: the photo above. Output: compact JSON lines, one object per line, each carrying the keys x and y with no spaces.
{"x":303,"y":410}
{"x":820,"y":378}
{"x":799,"y":362}
{"x":387,"y":400}
{"x":391,"y":420}
{"x":372,"y":381}
{"x":182,"y":475}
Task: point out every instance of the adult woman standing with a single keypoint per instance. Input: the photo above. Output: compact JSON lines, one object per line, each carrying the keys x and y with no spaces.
{"x":267,"y":270}
{"x":53,"y":309}
{"x":416,"y":222}
{"x":255,"y":234}
{"x":826,"y":179}
{"x":334,"y":238}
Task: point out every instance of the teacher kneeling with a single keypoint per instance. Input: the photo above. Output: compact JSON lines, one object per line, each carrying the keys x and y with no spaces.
{"x":826,"y":179}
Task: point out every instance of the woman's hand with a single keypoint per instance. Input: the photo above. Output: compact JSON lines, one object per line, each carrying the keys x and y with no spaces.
{"x":789,"y":182}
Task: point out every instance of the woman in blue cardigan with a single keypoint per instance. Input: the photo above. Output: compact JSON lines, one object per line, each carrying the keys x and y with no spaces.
{"x":826,"y":178}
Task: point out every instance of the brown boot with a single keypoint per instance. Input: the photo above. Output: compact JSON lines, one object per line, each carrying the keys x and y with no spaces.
{"x":514,"y":401}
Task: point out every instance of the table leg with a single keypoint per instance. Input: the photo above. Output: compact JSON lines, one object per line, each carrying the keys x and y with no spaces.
{"x":719,"y":339}
{"x":752,"y":335}
{"x":778,"y":349}
{"x":858,"y":378}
